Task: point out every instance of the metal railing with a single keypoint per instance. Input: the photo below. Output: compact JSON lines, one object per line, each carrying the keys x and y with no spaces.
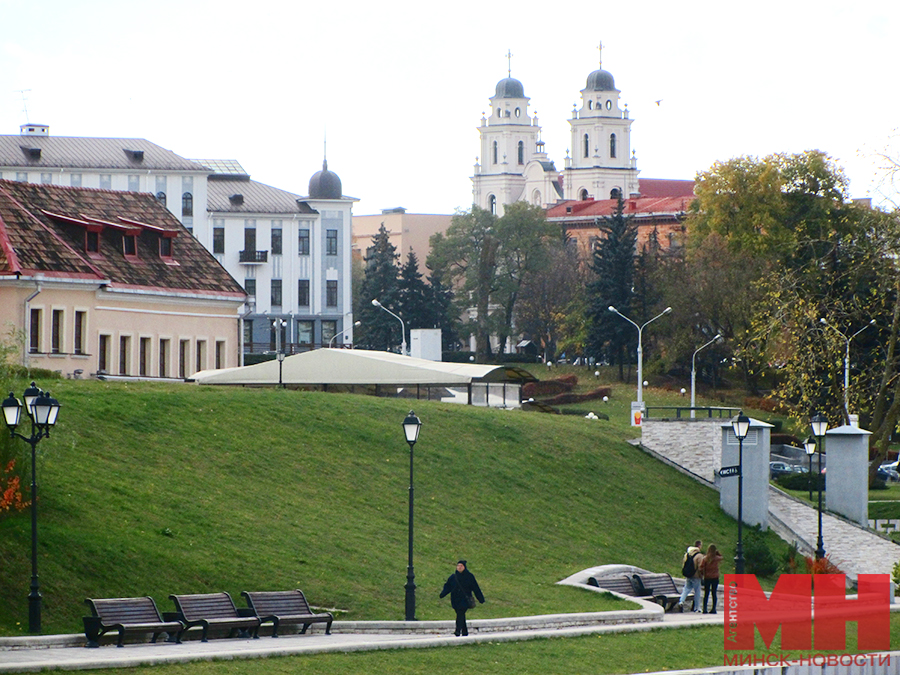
{"x":682,"y":412}
{"x":254,"y":256}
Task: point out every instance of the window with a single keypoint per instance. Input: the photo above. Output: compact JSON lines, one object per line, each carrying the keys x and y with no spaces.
{"x":47,"y":178}
{"x":34,"y":332}
{"x":331,"y":241}
{"x":22,"y":176}
{"x":161,"y":197}
{"x":587,"y":146}
{"x":56,"y":327}
{"x":218,"y":240}
{"x":92,"y":241}
{"x":614,"y":193}
{"x":187,"y":204}
{"x":331,"y":294}
{"x":590,"y":105}
{"x":492,"y":204}
{"x":124,"y":347}
{"x":303,"y":248}
{"x":518,"y":112}
{"x":163,"y":357}
{"x":329,"y":330}
{"x":80,"y":326}
{"x":584,"y":195}
{"x":250,"y":235}
{"x":105,"y":181}
{"x":612,"y":145}
{"x":165,"y":247}
{"x":248,"y":335}
{"x":134,"y":183}
{"x":183,"y":347}
{"x":201,"y":355}
{"x":495,"y":152}
{"x":103,"y":355}
{"x":129,"y":244}
{"x":609,"y":105}
{"x":276,"y":293}
{"x":250,"y":287}
{"x":144,"y":360}
{"x":521,"y":153}
{"x":75,"y":179}
{"x":303,"y":293}
{"x":220,"y":354}
{"x":305,"y":332}
{"x":276,"y":241}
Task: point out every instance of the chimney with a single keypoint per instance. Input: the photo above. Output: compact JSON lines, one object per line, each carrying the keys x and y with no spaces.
{"x":34,"y":130}
{"x":237,"y":199}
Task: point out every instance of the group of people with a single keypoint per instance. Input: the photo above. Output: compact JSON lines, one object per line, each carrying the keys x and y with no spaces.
{"x":701,"y":569}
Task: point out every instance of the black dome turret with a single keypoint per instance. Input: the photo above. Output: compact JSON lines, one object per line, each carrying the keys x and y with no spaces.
{"x":509,"y":87}
{"x":601,"y":80}
{"x":325,"y":184}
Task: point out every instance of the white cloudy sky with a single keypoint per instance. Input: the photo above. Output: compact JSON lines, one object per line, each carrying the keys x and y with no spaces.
{"x":399,"y":86}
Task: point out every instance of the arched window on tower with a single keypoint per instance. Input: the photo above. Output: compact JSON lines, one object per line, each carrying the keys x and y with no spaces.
{"x":187,"y":204}
{"x":521,"y":153}
{"x":587,"y":146}
{"x":495,"y":152}
{"x":584,"y":195}
{"x":612,"y":145}
{"x":492,"y":204}
{"x":614,"y":193}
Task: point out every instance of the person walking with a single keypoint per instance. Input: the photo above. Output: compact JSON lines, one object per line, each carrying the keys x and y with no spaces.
{"x":709,"y":572}
{"x":689,"y":568}
{"x":461,"y":585}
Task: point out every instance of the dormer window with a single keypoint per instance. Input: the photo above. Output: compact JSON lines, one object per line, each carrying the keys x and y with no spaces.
{"x":129,"y":245}
{"x":92,"y":241}
{"x":165,"y":247}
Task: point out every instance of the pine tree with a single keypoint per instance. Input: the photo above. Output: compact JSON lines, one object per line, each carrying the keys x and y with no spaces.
{"x":443,"y":312}
{"x":378,"y":329}
{"x":414,"y":296}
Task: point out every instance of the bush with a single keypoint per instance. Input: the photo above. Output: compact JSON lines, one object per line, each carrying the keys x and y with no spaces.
{"x":798,"y":481}
{"x":758,"y":557}
{"x":790,"y":561}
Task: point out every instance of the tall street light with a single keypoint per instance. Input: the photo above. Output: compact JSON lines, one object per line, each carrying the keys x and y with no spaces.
{"x":411,"y":426}
{"x":356,"y":324}
{"x":277,"y":325}
{"x":640,"y":351}
{"x":809,"y":446}
{"x":694,"y":371}
{"x":819,"y":426}
{"x":740,"y":425}
{"x":402,"y":326}
{"x":43,"y":410}
{"x":846,"y":360}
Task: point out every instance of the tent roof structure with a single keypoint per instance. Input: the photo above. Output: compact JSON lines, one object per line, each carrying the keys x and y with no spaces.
{"x":361,"y":367}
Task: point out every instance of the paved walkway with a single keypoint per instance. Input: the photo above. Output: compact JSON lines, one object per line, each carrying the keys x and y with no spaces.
{"x":67,"y":652}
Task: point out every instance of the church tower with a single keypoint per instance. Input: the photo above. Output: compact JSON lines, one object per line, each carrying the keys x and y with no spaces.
{"x":510,"y":139}
{"x":601,"y":164}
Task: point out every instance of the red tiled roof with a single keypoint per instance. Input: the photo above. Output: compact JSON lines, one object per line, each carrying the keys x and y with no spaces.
{"x":43,"y":231}
{"x":665,"y":187}
{"x":593,"y":208}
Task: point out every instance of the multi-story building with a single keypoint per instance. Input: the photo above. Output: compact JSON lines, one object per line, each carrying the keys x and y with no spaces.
{"x":109,"y":283}
{"x":408,"y":231}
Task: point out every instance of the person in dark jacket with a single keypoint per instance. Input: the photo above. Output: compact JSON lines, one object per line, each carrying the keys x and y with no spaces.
{"x":461,"y":585}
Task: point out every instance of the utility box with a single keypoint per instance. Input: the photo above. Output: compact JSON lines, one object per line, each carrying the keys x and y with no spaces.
{"x":425,"y":343}
{"x":847,"y":484}
{"x":755,"y":470}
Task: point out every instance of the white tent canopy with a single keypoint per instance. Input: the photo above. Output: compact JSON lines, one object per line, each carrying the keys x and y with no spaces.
{"x":361,"y":367}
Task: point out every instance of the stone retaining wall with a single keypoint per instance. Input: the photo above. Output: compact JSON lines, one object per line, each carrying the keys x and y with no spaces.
{"x":695,"y":444}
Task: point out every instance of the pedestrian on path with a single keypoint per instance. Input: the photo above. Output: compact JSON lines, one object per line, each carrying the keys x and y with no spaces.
{"x":709,"y":572}
{"x":461,"y":585}
{"x":689,"y":568}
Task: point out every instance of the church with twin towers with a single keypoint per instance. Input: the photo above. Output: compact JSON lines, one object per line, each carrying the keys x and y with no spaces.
{"x":514,"y":166}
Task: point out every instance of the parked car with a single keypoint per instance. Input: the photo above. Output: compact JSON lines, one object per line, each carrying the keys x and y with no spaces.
{"x":887,"y":474}
{"x":780,"y":469}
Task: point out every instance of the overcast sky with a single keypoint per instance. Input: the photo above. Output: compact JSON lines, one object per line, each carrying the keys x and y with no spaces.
{"x":399,"y":87}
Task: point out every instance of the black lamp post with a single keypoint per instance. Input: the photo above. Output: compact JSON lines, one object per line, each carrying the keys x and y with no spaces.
{"x":809,"y":445}
{"x":411,"y":426}
{"x":740,"y":425}
{"x":43,"y":410}
{"x":819,"y":426}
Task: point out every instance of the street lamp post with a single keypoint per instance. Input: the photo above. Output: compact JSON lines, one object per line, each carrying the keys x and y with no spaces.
{"x":411,"y":426}
{"x":819,"y":426}
{"x":43,"y":410}
{"x":694,"y":372}
{"x":809,"y":446}
{"x":640,"y":351}
{"x":356,"y":324}
{"x":402,"y":326}
{"x":277,"y":325}
{"x":740,"y":425}
{"x":846,"y":360}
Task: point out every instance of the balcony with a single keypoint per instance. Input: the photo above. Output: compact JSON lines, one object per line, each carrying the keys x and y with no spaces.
{"x":254,"y":257}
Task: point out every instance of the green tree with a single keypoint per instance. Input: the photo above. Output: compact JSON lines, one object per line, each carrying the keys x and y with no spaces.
{"x":443,"y":312}
{"x":415,"y":298}
{"x":378,"y":329}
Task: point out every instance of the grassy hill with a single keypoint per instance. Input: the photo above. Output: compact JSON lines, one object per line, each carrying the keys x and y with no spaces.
{"x":152,"y":489}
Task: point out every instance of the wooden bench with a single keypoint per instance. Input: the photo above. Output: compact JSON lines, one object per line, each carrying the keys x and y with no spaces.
{"x":126,"y":615}
{"x":285,"y":608}
{"x":657,"y":587}
{"x":214,"y":610}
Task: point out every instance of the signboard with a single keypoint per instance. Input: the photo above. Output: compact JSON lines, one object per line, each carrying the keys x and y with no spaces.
{"x":637,"y":413}
{"x":727,"y":471}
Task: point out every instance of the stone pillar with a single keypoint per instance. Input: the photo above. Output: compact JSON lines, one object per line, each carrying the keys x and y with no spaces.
{"x":755,"y":470}
{"x":847,"y":483}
